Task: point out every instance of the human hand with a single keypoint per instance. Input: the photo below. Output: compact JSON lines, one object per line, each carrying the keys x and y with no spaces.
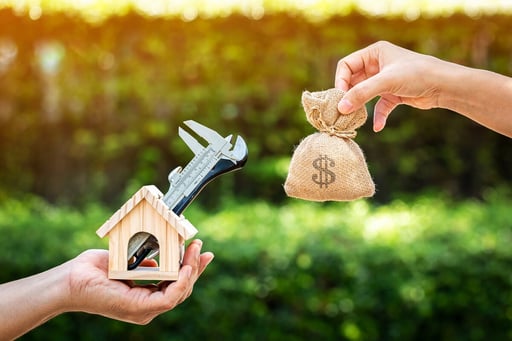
{"x":398,"y":75}
{"x":90,"y":289}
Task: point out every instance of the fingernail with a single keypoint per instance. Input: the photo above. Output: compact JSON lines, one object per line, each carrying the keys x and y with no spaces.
{"x":198,"y":242}
{"x":378,"y":124}
{"x":212,"y":257}
{"x":345,"y":106}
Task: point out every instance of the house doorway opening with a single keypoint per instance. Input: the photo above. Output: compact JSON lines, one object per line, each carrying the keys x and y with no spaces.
{"x":143,"y":250}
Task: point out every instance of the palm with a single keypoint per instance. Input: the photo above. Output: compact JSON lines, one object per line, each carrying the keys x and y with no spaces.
{"x":94,"y":292}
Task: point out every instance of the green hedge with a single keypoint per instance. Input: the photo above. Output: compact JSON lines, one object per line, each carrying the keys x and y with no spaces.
{"x":90,"y":110}
{"x":420,"y":269}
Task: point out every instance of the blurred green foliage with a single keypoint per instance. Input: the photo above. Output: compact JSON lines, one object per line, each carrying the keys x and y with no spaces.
{"x":89,"y":111}
{"x":426,"y":269}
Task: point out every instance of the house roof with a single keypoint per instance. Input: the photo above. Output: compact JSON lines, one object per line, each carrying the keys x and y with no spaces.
{"x":153,"y":196}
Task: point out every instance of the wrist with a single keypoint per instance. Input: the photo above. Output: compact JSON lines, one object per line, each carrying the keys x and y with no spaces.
{"x":31,"y":301}
{"x":452,"y":80}
{"x":481,"y":95}
{"x":461,"y":89}
{"x":55,"y":290}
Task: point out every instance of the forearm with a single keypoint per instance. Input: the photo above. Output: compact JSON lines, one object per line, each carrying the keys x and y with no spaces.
{"x":482,"y":96}
{"x":29,"y":302}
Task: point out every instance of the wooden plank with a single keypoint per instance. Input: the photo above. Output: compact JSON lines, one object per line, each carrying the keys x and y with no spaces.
{"x":145,"y":273}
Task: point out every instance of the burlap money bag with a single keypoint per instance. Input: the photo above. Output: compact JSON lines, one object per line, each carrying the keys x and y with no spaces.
{"x":329,"y":165}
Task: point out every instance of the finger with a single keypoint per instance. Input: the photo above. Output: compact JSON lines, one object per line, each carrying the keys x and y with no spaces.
{"x":192,"y":256}
{"x":176,"y":292}
{"x":362,"y":63}
{"x":184,"y":284}
{"x":382,"y":110}
{"x":199,"y":263}
{"x":149,"y":262}
{"x":363,"y":92}
{"x":192,"y":253}
{"x":346,"y":69}
{"x":357,"y":78}
{"x":204,"y":260}
{"x":196,"y":263}
{"x":349,"y":66}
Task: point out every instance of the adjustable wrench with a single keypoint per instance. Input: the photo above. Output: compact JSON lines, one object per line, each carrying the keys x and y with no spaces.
{"x":209,"y":162}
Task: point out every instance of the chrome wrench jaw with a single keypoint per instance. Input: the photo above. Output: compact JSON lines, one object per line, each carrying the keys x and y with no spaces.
{"x":209,"y":135}
{"x":222,"y":144}
{"x":224,"y":165}
{"x":239,"y":152}
{"x":187,"y":182}
{"x":220,"y":156}
{"x":228,"y":162}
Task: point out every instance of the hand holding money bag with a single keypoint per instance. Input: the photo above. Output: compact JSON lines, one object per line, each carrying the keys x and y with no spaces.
{"x":329,"y":165}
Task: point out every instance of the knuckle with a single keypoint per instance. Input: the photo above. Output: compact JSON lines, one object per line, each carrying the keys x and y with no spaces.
{"x":382,"y":43}
{"x":341,"y":64}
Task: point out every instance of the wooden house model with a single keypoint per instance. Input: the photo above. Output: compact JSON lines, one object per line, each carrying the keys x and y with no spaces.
{"x":146,"y":212}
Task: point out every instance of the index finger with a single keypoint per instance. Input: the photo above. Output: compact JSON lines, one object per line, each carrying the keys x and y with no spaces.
{"x":347,"y":68}
{"x":192,"y":254}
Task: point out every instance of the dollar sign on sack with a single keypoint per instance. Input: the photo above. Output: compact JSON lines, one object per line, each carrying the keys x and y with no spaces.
{"x":324,"y":176}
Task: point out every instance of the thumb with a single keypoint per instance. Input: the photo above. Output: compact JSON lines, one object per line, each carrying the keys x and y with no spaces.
{"x":362,"y":92}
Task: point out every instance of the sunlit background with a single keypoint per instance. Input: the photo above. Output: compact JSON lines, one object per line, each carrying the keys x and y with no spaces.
{"x":255,"y":9}
{"x":91,"y":97}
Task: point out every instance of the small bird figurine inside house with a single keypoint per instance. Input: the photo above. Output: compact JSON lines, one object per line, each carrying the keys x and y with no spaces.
{"x":151,"y":224}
